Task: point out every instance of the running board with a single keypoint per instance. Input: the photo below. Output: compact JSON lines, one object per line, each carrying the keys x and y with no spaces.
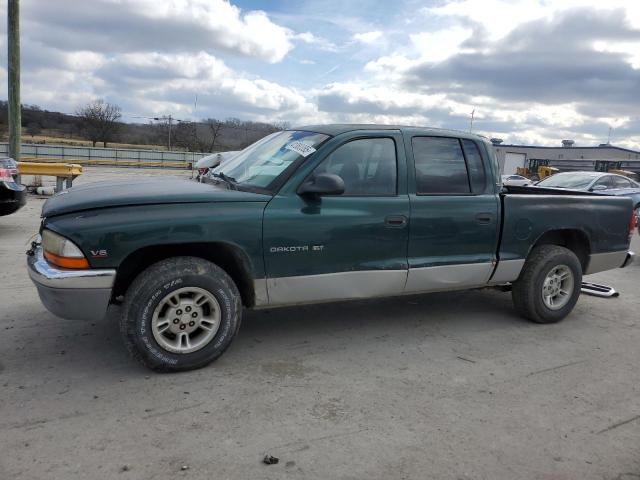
{"x":598,"y":290}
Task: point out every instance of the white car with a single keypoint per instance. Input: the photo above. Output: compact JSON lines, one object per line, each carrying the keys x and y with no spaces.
{"x":211,"y":161}
{"x":516,"y":181}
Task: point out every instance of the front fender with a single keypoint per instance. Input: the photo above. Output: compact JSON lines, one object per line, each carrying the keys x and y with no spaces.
{"x":108,"y":236}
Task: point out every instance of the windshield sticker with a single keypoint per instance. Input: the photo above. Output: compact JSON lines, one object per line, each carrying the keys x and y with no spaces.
{"x":301,"y":148}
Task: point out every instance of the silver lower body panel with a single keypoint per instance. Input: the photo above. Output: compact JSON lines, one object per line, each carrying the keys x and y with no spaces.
{"x":447,"y":277}
{"x":507,"y":271}
{"x":599,"y":262}
{"x":370,"y":283}
{"x":335,"y":286}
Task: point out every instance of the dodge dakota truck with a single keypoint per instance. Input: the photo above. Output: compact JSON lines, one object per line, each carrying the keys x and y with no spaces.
{"x":316,"y":214}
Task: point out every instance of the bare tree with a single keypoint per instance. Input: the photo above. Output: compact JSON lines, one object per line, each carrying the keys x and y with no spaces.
{"x":99,"y":121}
{"x":215,"y":130}
{"x":281,"y":125}
{"x":34,"y":129}
{"x":185,"y":135}
{"x":4,"y":128}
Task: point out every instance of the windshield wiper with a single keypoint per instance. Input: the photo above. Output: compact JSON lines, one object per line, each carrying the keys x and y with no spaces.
{"x":232,"y":182}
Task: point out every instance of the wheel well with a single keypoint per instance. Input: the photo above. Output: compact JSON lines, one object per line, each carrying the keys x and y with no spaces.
{"x":228,"y":257}
{"x":575,"y":240}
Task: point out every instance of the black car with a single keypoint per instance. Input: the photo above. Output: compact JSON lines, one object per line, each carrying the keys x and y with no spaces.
{"x":13,"y":196}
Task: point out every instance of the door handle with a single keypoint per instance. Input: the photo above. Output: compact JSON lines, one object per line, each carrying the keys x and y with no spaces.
{"x":395,"y":221}
{"x":484,"y":218}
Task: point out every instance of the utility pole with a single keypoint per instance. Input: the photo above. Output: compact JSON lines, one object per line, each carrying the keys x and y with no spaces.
{"x":168,"y":118}
{"x":13,"y":50}
{"x":473,"y":112}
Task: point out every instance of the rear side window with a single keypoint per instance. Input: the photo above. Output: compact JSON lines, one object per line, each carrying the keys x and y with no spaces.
{"x":440,"y":166}
{"x":621,"y":182}
{"x":475,"y":167}
{"x":605,"y":181}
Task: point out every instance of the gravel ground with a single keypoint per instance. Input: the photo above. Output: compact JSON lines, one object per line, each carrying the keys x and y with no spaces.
{"x":441,"y":386}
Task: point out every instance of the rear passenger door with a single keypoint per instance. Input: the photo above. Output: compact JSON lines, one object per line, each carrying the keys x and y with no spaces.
{"x":454,"y":224}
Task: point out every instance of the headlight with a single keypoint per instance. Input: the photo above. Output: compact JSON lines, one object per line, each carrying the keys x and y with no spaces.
{"x":61,"y":251}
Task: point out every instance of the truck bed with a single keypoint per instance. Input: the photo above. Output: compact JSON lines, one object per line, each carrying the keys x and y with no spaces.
{"x":602,"y":221}
{"x":544,"y":191}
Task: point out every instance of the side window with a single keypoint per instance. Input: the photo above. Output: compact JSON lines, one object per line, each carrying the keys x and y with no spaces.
{"x":368,"y":166}
{"x":475,"y":167}
{"x":440,"y":166}
{"x":621,"y":182}
{"x":606,"y":181}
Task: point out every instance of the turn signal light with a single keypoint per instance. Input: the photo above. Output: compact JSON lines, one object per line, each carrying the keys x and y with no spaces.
{"x":62,"y":252}
{"x":65,"y":262}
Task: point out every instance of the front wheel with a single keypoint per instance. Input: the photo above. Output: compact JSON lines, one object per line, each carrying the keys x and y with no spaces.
{"x":180,"y":314}
{"x":549,"y":285}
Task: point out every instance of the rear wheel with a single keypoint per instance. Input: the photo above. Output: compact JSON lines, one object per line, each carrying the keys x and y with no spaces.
{"x":180,"y":314}
{"x":549,"y":284}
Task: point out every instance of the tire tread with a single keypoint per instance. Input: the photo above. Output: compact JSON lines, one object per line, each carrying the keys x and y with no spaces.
{"x":172,"y":267}
{"x":524,"y":292}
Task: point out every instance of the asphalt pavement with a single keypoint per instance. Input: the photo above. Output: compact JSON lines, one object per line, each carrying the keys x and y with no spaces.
{"x":440,"y":386}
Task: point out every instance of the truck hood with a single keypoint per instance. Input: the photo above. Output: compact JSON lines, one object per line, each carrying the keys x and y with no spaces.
{"x":142,"y":192}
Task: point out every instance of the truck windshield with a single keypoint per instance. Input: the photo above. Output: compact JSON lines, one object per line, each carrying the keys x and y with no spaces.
{"x":261,"y":163}
{"x":574,"y":181}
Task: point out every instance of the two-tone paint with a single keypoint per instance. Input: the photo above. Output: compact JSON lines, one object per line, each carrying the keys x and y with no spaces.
{"x":294,"y":249}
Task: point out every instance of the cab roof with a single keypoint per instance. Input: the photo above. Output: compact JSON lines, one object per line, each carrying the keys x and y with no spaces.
{"x":334,"y":129}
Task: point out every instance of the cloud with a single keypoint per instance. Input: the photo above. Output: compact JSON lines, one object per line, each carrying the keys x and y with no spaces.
{"x":440,"y":45}
{"x":153,"y":58}
{"x":533,"y":70}
{"x":311,"y":39}
{"x":169,"y":83}
{"x":149,"y":25}
{"x":572,"y":71}
{"x":544,"y":61}
{"x":368,"y":37}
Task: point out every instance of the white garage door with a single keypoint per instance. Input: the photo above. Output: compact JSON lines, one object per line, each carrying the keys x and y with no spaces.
{"x":512,"y":161}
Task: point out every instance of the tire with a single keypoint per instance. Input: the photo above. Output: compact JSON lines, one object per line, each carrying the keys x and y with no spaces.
{"x":175,"y":288}
{"x":529,"y":290}
{"x":637,"y":213}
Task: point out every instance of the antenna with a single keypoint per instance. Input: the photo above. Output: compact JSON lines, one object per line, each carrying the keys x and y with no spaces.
{"x":609,"y":137}
{"x":473,"y":112}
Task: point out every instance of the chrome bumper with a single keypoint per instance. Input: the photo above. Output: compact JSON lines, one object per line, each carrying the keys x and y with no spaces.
{"x":629,"y":259}
{"x":72,"y":294}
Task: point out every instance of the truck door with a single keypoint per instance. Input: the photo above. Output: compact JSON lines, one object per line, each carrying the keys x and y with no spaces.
{"x":352,"y":245}
{"x":454,"y":224}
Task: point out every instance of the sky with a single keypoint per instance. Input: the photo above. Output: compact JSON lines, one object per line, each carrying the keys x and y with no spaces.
{"x":532,"y":71}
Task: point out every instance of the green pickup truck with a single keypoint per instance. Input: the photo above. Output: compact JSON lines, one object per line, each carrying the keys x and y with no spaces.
{"x":316,"y":214}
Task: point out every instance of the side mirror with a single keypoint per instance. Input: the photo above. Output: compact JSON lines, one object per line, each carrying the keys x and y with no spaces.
{"x":598,"y":188}
{"x":323,"y":184}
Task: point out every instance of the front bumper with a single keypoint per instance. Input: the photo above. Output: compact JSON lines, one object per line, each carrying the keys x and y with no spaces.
{"x":72,"y":294}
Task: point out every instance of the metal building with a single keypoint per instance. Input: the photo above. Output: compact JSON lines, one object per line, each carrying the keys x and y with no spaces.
{"x":566,"y":157}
